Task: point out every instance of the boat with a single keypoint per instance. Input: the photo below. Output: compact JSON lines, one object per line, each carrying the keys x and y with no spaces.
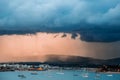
{"x":75,"y":75}
{"x":22,"y":76}
{"x":109,"y":75}
{"x":34,"y":73}
{"x":85,"y":75}
{"x":97,"y":77}
{"x":59,"y":73}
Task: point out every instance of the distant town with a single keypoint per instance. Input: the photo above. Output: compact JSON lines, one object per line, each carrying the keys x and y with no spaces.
{"x":43,"y":67}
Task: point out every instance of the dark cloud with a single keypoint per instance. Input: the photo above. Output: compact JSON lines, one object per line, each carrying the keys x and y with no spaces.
{"x":64,"y":35}
{"x":79,"y":16}
{"x":104,"y":35}
{"x":74,"y":35}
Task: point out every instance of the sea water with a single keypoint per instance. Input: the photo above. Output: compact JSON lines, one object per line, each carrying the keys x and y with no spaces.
{"x":58,"y":75}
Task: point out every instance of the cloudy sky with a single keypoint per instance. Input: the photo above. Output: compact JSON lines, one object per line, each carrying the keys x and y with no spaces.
{"x":33,"y":28}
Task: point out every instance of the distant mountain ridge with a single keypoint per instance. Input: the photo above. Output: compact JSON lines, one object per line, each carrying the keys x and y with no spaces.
{"x":80,"y":60}
{"x":74,"y":60}
{"x":70,"y":59}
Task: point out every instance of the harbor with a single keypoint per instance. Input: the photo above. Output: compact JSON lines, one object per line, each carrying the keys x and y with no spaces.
{"x":57,"y":75}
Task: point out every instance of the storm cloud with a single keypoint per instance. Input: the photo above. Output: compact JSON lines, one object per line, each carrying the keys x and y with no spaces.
{"x":32,"y":48}
{"x":94,"y":20}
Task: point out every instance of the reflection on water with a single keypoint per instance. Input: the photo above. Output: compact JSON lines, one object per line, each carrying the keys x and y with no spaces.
{"x":57,"y":75}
